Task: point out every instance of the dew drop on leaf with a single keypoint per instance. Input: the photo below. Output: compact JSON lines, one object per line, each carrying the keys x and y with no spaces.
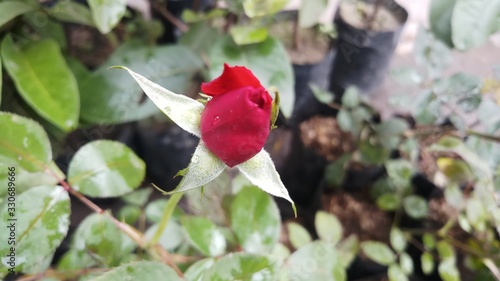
{"x":216,"y":119}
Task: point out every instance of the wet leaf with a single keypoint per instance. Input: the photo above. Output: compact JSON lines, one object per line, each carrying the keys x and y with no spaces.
{"x":99,"y":236}
{"x":378,"y":252}
{"x":298,"y":235}
{"x":204,"y":235}
{"x":323,"y":263}
{"x":24,"y":143}
{"x":415,"y":206}
{"x":171,"y":237}
{"x":255,"y":220}
{"x":196,"y":270}
{"x":11,"y":9}
{"x":107,"y":13}
{"x":39,"y":223}
{"x":140,"y":270}
{"x":44,"y":80}
{"x":241,"y":266}
{"x":105,"y":169}
{"x":328,"y":227}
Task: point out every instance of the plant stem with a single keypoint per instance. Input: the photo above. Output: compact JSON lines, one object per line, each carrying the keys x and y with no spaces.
{"x":168,"y":16}
{"x":167,"y":214}
{"x":484,"y":136}
{"x":133,"y":233}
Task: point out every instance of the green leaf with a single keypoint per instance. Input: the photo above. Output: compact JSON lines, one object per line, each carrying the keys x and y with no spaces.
{"x":440,"y":16}
{"x":328,"y":227}
{"x":196,"y":270}
{"x":476,"y":213}
{"x":415,"y":206}
{"x":298,"y":235}
{"x":321,"y":95}
{"x":24,"y":143}
{"x":396,"y":274}
{"x":248,"y":34}
{"x":258,"y":8}
{"x":462,"y":89}
{"x":44,"y":80}
{"x":348,"y":250}
{"x":406,"y":263}
{"x":255,"y":220}
{"x":184,"y":111}
{"x":154,"y":210}
{"x":1,"y":79}
{"x":203,"y":168}
{"x":241,"y":266}
{"x":140,"y":270}
{"x":105,"y":169}
{"x":107,"y":13}
{"x":400,"y":172}
{"x":431,"y":53}
{"x":448,"y":270}
{"x":391,"y":127}
{"x":309,"y":12}
{"x":171,"y":237}
{"x":407,"y":75}
{"x":204,"y":235}
{"x":427,"y":262}
{"x":38,"y":225}
{"x":74,"y":260}
{"x":335,"y":171}
{"x":318,"y":260}
{"x":398,"y":239}
{"x":71,"y":11}
{"x":372,"y":153}
{"x":445,"y":250}
{"x":99,"y":236}
{"x":25,"y":180}
{"x":388,"y":202}
{"x":429,"y":241}
{"x":11,"y":9}
{"x":200,"y":38}
{"x":473,"y":21}
{"x":138,"y":197}
{"x":456,"y":170}
{"x":378,"y":252}
{"x":267,"y":60}
{"x":129,"y":214}
{"x":426,"y":108}
{"x":350,"y":98}
{"x":260,"y":170}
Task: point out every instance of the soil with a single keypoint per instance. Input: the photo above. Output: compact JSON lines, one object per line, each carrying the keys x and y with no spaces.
{"x":360,"y":13}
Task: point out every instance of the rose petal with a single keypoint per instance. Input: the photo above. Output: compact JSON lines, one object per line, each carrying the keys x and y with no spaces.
{"x":232,"y":78}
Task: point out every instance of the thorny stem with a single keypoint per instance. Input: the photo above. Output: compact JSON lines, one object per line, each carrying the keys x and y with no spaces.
{"x":133,"y":233}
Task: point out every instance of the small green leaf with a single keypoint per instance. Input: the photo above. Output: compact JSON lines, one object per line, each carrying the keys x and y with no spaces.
{"x":406,"y":263}
{"x":154,"y":210}
{"x":74,"y":260}
{"x":309,"y":12}
{"x":267,"y":60}
{"x":415,"y":206}
{"x":298,"y":235}
{"x":454,"y":196}
{"x":241,"y":266}
{"x":255,"y":220}
{"x":71,"y":11}
{"x":473,"y":21}
{"x":321,"y":95}
{"x":196,"y":270}
{"x":44,"y":80}
{"x":400,"y":172}
{"x":140,"y":270}
{"x":107,"y":13}
{"x":429,"y":241}
{"x":378,"y":252}
{"x":11,"y":9}
{"x":24,"y":143}
{"x":335,"y":171}
{"x":440,"y":15}
{"x":398,"y":239}
{"x":129,"y":214}
{"x":138,"y":197}
{"x":318,"y":260}
{"x":406,"y":76}
{"x":98,"y":236}
{"x":431,"y":53}
{"x":260,"y":170}
{"x":388,"y":202}
{"x":204,"y":235}
{"x":348,"y":250}
{"x":244,"y":34}
{"x":328,"y":227}
{"x":427,"y":262}
{"x":448,"y":270}
{"x":258,"y":8}
{"x":350,"y":98}
{"x":38,"y":225}
{"x":445,"y":250}
{"x":171,"y":237}
{"x":396,"y":274}
{"x":105,"y":169}
{"x":454,"y":169}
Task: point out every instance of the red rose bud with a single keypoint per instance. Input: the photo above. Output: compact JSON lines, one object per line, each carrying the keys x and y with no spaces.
{"x":236,"y":121}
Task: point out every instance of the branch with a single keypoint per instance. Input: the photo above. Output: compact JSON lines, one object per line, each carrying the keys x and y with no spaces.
{"x":171,"y":18}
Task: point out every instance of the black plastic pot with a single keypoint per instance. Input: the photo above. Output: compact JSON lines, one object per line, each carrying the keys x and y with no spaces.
{"x":362,"y":56}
